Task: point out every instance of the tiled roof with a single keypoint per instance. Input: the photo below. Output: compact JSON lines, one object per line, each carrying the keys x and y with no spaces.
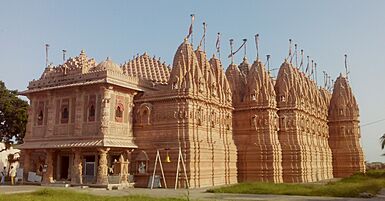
{"x":147,"y":68}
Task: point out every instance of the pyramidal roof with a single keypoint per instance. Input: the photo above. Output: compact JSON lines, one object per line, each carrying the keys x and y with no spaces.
{"x":147,"y":68}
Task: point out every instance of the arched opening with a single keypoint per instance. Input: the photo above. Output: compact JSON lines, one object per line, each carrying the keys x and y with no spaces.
{"x":91,"y":113}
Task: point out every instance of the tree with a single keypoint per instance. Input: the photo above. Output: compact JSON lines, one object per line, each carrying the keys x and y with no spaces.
{"x":382,"y":140}
{"x":13,"y":115}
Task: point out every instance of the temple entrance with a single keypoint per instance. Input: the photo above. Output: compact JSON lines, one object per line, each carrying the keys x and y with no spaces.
{"x":89,"y":169}
{"x":65,"y":161}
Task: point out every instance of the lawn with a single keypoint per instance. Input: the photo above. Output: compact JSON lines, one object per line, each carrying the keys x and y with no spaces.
{"x":68,"y":195}
{"x":371,"y":182}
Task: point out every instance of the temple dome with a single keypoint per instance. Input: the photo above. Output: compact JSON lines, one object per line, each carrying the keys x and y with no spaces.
{"x":108,"y":64}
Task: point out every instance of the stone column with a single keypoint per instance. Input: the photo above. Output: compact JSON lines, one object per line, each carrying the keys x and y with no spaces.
{"x":79,"y":105}
{"x":48,"y":175}
{"x":126,"y":165}
{"x":26,"y":163}
{"x":50,"y":115}
{"x":105,"y":111}
{"x":77,"y":169}
{"x":102,"y":177}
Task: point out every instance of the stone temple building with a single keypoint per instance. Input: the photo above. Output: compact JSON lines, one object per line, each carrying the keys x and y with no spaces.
{"x":102,"y":123}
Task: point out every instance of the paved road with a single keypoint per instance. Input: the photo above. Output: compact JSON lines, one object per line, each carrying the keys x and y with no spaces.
{"x":195,"y":194}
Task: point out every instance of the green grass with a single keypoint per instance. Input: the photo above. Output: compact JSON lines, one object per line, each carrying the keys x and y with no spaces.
{"x":69,"y":195}
{"x":371,"y":182}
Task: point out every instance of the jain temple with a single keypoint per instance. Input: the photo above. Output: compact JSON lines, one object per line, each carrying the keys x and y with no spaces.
{"x":93,"y":123}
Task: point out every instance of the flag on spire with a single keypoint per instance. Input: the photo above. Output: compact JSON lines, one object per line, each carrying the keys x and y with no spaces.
{"x":289,"y":57}
{"x":257,"y":44}
{"x":312,"y":67}
{"x":218,"y":45}
{"x":203,"y":40}
{"x":301,"y":64}
{"x":190,"y":30}
{"x":346,"y":66}
{"x":46,"y":54}
{"x":307,"y":66}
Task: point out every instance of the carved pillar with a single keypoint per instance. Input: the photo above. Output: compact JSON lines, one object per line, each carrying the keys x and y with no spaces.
{"x":77,"y":168}
{"x":105,"y":110}
{"x":26,"y":163}
{"x":122,"y":169}
{"x":31,"y":115}
{"x":126,"y":165}
{"x":50,"y":114}
{"x":102,"y":177}
{"x":79,"y":105}
{"x":48,"y":175}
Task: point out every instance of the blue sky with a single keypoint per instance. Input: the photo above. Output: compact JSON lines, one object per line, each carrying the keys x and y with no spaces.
{"x":326,"y":30}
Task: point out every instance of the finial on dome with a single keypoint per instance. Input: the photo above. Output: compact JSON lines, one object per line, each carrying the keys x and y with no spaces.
{"x":108,"y":59}
{"x":82,"y":52}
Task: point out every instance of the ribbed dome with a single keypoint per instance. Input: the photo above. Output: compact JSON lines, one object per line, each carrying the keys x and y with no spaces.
{"x":108,"y":64}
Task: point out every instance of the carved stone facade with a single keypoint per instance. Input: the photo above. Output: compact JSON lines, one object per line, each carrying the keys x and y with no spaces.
{"x":303,"y":131}
{"x":193,"y":111}
{"x":344,"y":131}
{"x":255,"y":123}
{"x":102,"y":124}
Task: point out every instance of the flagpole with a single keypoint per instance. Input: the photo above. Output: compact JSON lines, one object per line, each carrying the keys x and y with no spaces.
{"x":312,"y":69}
{"x":231,"y":50}
{"x":64,"y":55}
{"x":46,"y":55}
{"x":307,"y":66}
{"x":315,"y":72}
{"x":346,"y":66}
{"x":244,"y":40}
{"x":192,"y":28}
{"x":204,"y":34}
{"x":301,"y":65}
{"x":218,"y":45}
{"x":289,"y":57}
{"x":256,"y":45}
{"x":296,"y":56}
